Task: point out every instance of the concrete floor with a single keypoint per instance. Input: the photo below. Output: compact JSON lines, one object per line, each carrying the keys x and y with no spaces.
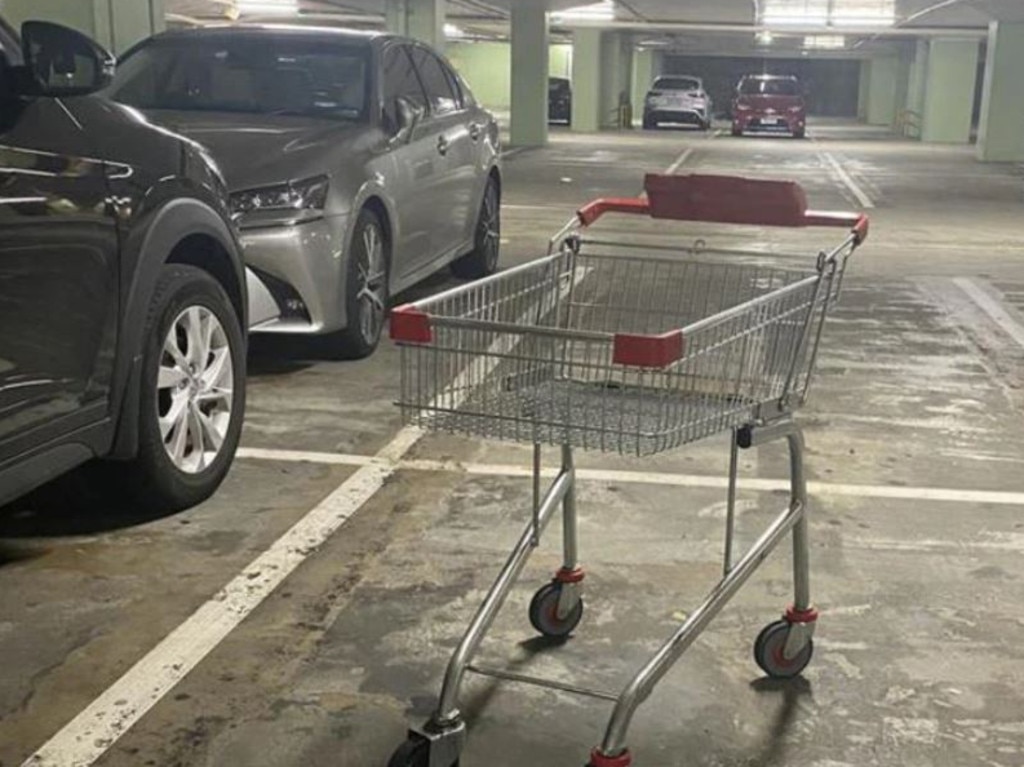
{"x":916,"y":452}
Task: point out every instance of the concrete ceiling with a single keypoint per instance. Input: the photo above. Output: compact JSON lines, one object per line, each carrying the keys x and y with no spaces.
{"x":671,"y":23}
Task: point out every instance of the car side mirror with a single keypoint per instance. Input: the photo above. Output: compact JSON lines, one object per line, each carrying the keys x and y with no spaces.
{"x":409,"y":116}
{"x":62,"y":61}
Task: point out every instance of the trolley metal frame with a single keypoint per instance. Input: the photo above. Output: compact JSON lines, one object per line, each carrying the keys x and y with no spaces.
{"x":477,"y":359}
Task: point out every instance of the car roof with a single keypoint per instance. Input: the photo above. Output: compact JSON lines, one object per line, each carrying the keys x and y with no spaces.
{"x":769,"y":77}
{"x":285,"y":30}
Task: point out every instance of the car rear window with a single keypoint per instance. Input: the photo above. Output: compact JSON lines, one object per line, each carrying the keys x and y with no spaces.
{"x":251,"y":74}
{"x":676,"y":84}
{"x":755,"y":86}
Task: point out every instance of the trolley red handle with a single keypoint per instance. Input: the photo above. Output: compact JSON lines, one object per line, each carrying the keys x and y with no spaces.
{"x":725,"y":200}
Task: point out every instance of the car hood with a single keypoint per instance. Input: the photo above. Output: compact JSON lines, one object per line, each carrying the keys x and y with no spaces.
{"x":259,"y":150}
{"x":764,"y":103}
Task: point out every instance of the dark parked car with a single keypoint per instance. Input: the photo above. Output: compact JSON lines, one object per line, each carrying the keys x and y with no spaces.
{"x":122,"y":289}
{"x":769,"y":104}
{"x":358,"y":163}
{"x":559,"y":100}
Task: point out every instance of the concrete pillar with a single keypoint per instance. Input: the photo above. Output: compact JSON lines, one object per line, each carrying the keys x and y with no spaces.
{"x":643,"y":76}
{"x":864,"y":88}
{"x":1001,"y":133}
{"x":115,"y":24}
{"x":883,"y":89}
{"x":611,"y":68}
{"x":951,"y":76}
{"x":530,"y":63}
{"x":586,"y":80}
{"x":418,"y":19}
{"x":918,"y":78}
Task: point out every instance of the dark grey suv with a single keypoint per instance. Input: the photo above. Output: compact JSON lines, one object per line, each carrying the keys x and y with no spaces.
{"x":122,"y":289}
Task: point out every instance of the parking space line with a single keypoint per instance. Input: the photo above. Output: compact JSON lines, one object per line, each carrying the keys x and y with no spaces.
{"x":848,"y":182}
{"x":893,"y":492}
{"x":680,"y":161}
{"x":992,"y":307}
{"x":90,"y":734}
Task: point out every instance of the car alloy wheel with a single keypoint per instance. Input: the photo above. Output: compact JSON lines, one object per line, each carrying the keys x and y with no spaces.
{"x":195,"y":386}
{"x":371,"y":272}
{"x":489,"y":228}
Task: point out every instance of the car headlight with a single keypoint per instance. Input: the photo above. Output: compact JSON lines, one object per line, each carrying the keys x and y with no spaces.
{"x":307,"y":195}
{"x":794,"y":110}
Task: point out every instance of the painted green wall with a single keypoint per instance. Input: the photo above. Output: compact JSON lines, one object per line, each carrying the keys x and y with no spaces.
{"x":487,"y":68}
{"x":884,"y":90}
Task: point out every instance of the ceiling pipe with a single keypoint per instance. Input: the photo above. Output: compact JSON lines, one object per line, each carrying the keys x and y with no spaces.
{"x":779,"y":29}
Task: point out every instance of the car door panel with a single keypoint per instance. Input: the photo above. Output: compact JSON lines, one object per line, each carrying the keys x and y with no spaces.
{"x":58,"y":270}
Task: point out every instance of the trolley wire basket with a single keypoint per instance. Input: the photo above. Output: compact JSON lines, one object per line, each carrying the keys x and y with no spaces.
{"x":626,"y":353}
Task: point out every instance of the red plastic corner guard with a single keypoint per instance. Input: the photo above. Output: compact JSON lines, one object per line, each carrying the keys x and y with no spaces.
{"x":597,"y":759}
{"x":647,"y":351}
{"x":410,"y":326}
{"x":592,"y":211}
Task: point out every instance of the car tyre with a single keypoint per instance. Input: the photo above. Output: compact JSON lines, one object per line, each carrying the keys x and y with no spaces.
{"x":483,"y":259}
{"x":366,"y":289}
{"x":192,"y":397}
{"x":650,"y":123}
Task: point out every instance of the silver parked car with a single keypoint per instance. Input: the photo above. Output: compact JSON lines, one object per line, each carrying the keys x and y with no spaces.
{"x":358,"y":163}
{"x":678,"y":99}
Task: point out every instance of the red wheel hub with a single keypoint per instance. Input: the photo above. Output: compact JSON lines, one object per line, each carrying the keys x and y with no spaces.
{"x":597,"y":759}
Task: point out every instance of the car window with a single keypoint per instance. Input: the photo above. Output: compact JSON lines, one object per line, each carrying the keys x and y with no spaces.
{"x":257,"y":75}
{"x":436,"y":81}
{"x":676,"y":84}
{"x":400,"y":81}
{"x":758,"y":86}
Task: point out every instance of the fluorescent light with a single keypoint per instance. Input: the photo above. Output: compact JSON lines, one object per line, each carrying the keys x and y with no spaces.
{"x":603,"y":11}
{"x":274,"y":7}
{"x":839,"y":13}
{"x":764,"y":38}
{"x":450,"y":30}
{"x":825,"y":42}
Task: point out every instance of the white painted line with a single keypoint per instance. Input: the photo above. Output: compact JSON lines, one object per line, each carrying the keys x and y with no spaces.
{"x":894,"y":492}
{"x":680,"y":161}
{"x":90,"y":734}
{"x":848,"y":182}
{"x":991,"y":306}
{"x":96,"y":729}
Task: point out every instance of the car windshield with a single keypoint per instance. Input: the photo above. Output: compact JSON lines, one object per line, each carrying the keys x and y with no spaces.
{"x":254,"y":75}
{"x":676,"y":84}
{"x":757,"y":86}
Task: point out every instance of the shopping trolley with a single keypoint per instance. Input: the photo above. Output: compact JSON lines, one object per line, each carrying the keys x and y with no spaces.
{"x":630,"y":349}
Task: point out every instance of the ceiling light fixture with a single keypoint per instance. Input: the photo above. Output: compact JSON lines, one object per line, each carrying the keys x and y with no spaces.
{"x":269,"y":7}
{"x":765,"y":37}
{"x":603,"y":11}
{"x":825,"y":42}
{"x":453,"y":32}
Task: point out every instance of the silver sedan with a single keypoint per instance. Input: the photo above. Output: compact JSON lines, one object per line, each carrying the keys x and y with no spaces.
{"x":359,"y":164}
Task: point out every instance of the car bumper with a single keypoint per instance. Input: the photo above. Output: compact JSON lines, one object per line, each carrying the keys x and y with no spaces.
{"x":296,"y":276}
{"x":687,"y":116}
{"x":764,"y":123}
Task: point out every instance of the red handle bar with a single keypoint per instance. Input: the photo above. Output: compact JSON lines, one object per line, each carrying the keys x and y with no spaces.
{"x":724,"y":200}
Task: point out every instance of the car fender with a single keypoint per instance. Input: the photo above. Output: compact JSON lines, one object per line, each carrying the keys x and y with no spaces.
{"x":166,"y":227}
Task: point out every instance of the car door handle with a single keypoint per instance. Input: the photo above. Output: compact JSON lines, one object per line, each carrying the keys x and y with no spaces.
{"x":442,"y":145}
{"x":474,"y":131}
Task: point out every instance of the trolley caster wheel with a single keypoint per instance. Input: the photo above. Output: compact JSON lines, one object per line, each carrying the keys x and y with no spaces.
{"x":768,"y":649}
{"x":544,"y":612}
{"x":415,"y":752}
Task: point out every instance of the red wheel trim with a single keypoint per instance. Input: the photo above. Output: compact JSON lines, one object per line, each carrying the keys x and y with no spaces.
{"x":792,"y":615}
{"x":569,"y":576}
{"x":597,"y":759}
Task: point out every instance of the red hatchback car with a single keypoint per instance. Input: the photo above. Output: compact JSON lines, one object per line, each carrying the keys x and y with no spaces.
{"x":771,"y":104}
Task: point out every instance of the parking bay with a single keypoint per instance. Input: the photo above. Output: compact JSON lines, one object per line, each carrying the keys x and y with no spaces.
{"x":915,"y":452}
